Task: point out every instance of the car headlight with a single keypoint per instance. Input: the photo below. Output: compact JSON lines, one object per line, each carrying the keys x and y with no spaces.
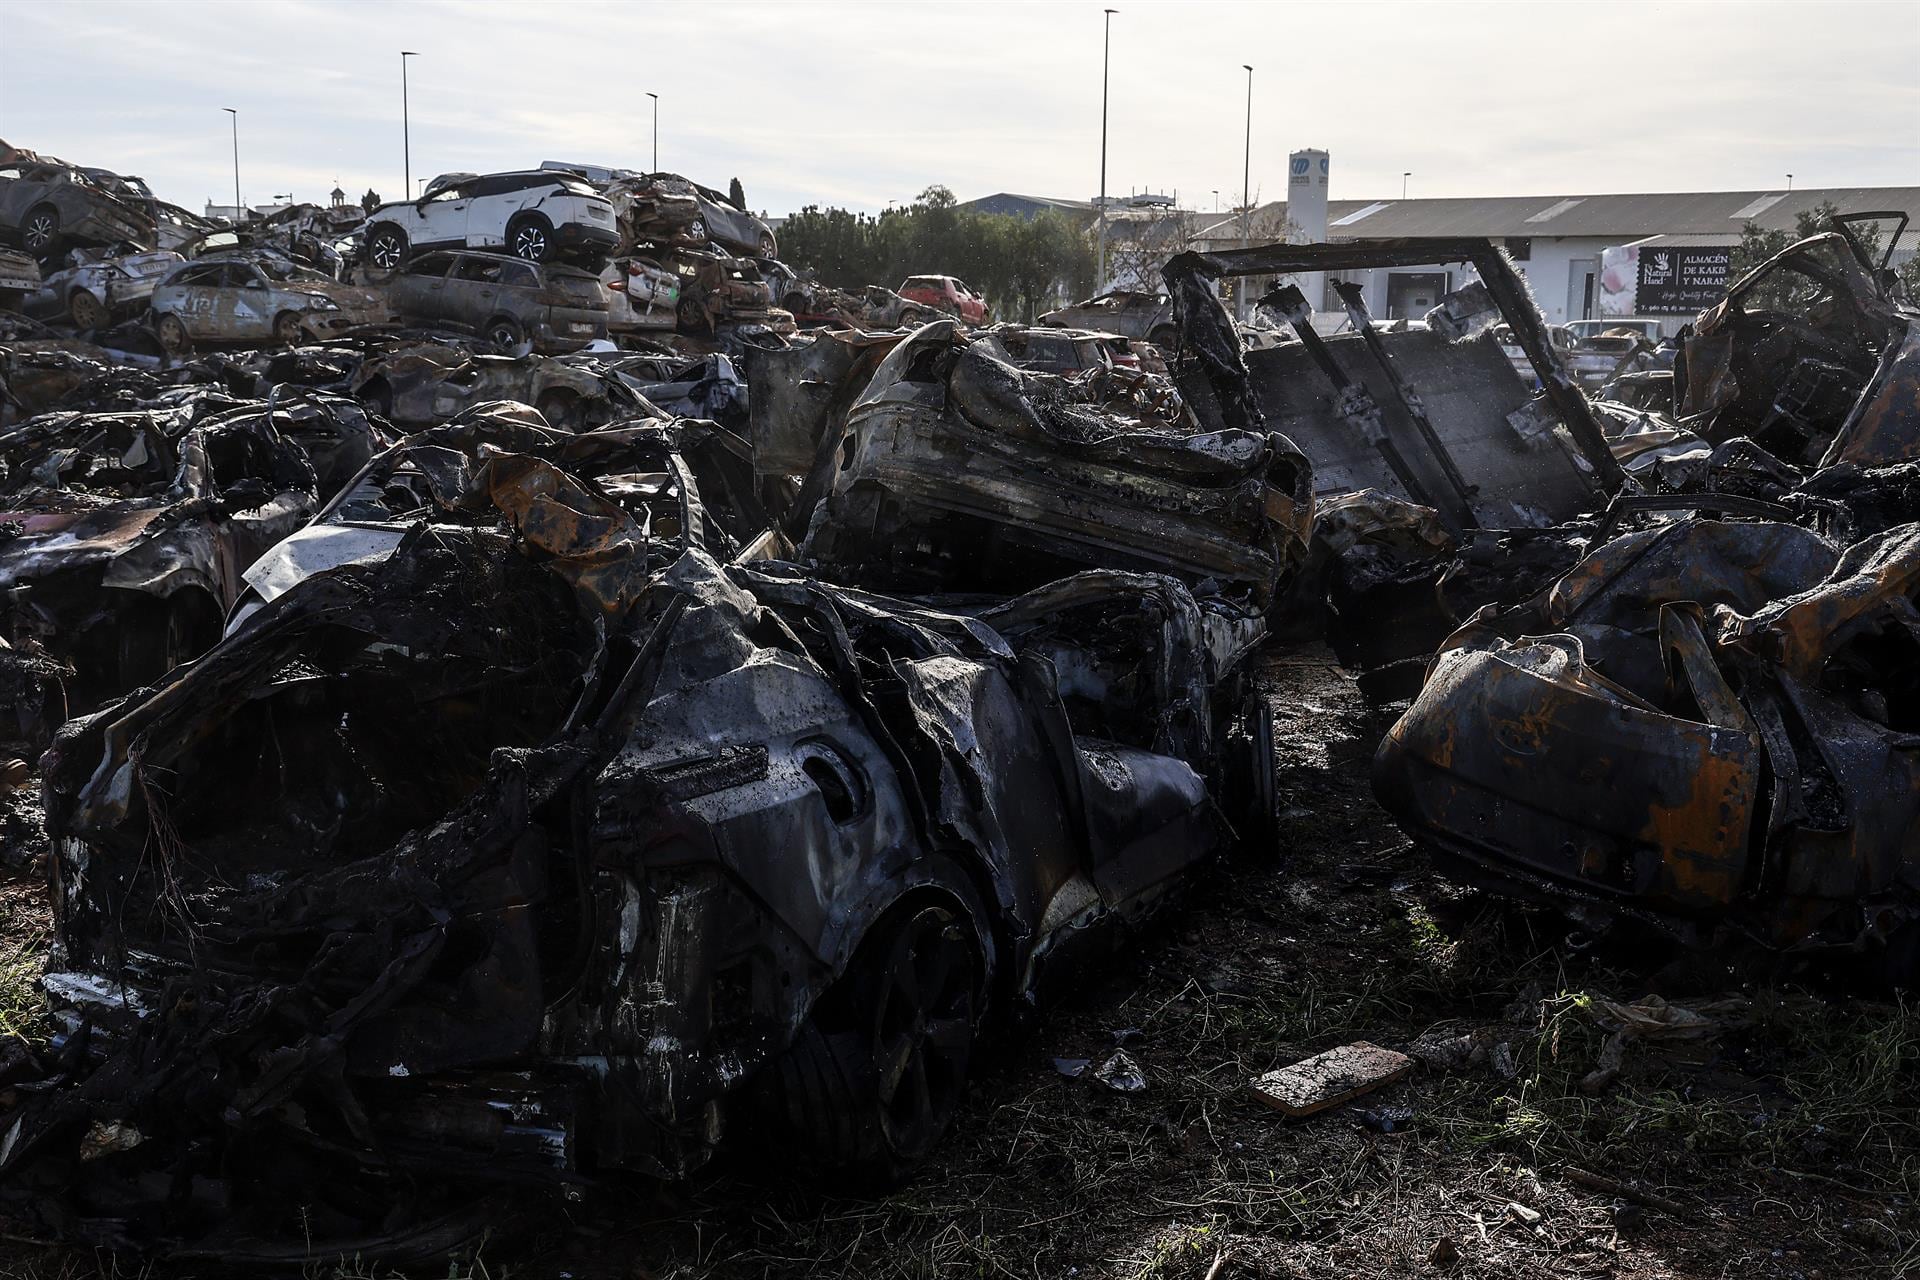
{"x":320,"y":302}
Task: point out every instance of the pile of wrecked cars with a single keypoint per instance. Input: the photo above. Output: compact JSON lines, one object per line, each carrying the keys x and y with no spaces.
{"x":550,"y":800}
{"x":478,"y":773}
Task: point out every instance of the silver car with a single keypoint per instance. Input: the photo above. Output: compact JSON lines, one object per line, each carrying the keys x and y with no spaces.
{"x":100,"y":288}
{"x":234,"y":300}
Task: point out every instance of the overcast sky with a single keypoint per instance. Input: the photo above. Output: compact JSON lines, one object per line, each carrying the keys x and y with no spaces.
{"x":859,"y":104}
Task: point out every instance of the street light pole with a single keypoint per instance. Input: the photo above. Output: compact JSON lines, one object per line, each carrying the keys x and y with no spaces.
{"x":1106,"y":44}
{"x":656,"y":131}
{"x":1403,"y":183}
{"x":236,"y":163}
{"x":406,"y":124}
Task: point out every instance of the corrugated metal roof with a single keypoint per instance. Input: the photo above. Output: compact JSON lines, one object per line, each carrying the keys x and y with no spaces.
{"x":1718,"y":215}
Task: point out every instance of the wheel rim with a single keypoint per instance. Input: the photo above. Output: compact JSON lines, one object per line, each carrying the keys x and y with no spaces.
{"x":39,"y":231}
{"x":530,"y":243}
{"x":173,"y":334}
{"x":923,"y":1029}
{"x":386,"y":252}
{"x":502,"y":336}
{"x":287,"y":329}
{"x":86,"y":311}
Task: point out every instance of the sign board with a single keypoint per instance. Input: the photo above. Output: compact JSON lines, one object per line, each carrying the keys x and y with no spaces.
{"x":1682,"y":281}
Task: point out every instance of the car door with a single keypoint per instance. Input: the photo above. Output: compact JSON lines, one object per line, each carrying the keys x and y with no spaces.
{"x":473,"y":288}
{"x":493,"y":203}
{"x":418,"y":290}
{"x":441,"y":219}
{"x":244,"y":303}
{"x":189,"y":297}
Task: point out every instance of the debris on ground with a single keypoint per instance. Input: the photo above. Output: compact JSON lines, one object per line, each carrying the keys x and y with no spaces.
{"x":1330,"y":1078}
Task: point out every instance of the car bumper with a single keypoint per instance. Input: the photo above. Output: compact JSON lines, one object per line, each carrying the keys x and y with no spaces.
{"x":575,"y":235}
{"x":568,"y":330}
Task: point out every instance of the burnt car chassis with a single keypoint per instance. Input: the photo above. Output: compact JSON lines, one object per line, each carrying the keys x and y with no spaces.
{"x":516,"y":845}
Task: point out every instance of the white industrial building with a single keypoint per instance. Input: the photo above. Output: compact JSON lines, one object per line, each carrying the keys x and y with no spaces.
{"x":1661,"y":254}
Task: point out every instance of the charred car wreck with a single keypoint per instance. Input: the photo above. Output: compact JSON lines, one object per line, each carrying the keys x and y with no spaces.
{"x":529,"y":817}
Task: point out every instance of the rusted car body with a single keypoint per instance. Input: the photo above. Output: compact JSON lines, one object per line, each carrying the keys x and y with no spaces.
{"x":424,"y":383}
{"x":641,"y":818}
{"x":1810,"y":356}
{"x":545,"y":306}
{"x":947,"y":466}
{"x":1129,"y":312}
{"x":717,"y":289}
{"x":46,"y":207}
{"x":257,"y":298}
{"x":98,"y":288}
{"x":1706,"y":724}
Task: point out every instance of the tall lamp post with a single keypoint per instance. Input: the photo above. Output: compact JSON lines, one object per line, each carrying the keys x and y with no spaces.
{"x":236,"y":163}
{"x":656,"y":131}
{"x":1106,"y":45}
{"x":1216,"y":199}
{"x":406,"y":124}
{"x":1403,"y":183}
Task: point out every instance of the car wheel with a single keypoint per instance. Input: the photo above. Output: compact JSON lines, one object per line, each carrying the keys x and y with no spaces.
{"x":40,"y":233}
{"x":872,"y":1082}
{"x":287,"y":329}
{"x":912,"y":319}
{"x":87,"y":311}
{"x":531,"y":239}
{"x":1166,"y":337}
{"x":691,"y":316}
{"x":387,"y":248}
{"x":1250,"y":794}
{"x":697,"y":230}
{"x":767,"y":246}
{"x":505,"y":334}
{"x":796,"y":303}
{"x":173,"y":336}
{"x":155,"y":636}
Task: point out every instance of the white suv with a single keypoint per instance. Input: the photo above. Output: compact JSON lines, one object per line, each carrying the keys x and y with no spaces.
{"x":532,"y":215}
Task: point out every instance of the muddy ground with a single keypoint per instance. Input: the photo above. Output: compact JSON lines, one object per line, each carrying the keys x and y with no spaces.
{"x":1786,"y":1144}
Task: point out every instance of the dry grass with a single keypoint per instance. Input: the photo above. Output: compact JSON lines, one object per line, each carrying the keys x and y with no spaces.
{"x":1793,"y":1151}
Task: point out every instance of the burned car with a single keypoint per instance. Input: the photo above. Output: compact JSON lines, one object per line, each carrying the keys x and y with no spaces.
{"x":687,"y":841}
{"x":546,"y":306}
{"x":1708,"y":725}
{"x":257,"y":299}
{"x":946,"y":466}
{"x":422,"y":383}
{"x":98,"y":287}
{"x":1129,"y":312}
{"x":129,"y":532}
{"x":717,"y":289}
{"x":1810,"y":356}
{"x":47,"y":206}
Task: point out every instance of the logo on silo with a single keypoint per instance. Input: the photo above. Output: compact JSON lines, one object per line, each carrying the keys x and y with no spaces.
{"x":1300,"y":166}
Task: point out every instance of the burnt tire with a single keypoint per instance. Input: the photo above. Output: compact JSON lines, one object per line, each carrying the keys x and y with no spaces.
{"x":530,"y":238}
{"x":876,"y":1074}
{"x":173,"y":336}
{"x":40,"y":232}
{"x":87,"y":311}
{"x":1249,"y":791}
{"x":505,"y":334}
{"x":691,"y":317}
{"x":288,"y":331}
{"x":386,"y":249}
{"x":155,"y":636}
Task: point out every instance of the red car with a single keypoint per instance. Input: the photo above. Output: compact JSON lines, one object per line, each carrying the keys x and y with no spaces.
{"x":946,"y":293}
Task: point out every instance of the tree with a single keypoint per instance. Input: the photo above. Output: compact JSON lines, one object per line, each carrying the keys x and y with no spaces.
{"x":1757,"y":244}
{"x":736,"y":194}
{"x":1021,"y":265}
{"x":371,"y":200}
